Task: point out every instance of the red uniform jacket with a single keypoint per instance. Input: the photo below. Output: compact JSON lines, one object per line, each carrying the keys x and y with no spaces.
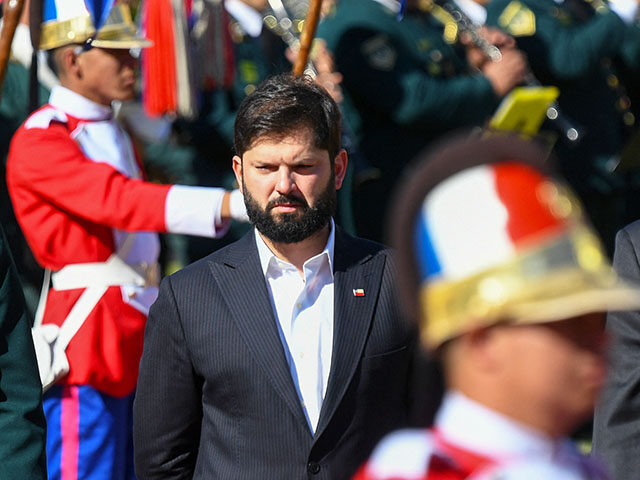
{"x":72,"y":191}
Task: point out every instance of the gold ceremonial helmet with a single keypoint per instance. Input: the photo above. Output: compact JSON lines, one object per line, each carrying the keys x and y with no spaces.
{"x":69,"y":22}
{"x":485,"y":233}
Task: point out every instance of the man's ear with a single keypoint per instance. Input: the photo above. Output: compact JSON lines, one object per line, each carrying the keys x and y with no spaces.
{"x":340,"y":167}
{"x":237,"y":170}
{"x":68,"y":60}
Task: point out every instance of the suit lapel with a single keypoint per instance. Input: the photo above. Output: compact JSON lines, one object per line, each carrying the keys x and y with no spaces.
{"x":241,"y":281}
{"x":352,"y":317}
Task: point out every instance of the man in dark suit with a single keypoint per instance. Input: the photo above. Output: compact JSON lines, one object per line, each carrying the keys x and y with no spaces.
{"x":616,"y":437}
{"x":283,"y":355}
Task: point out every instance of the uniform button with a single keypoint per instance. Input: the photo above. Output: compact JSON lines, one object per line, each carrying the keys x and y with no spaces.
{"x":298,"y":305}
{"x":624,"y":103}
{"x":629,"y":119}
{"x":313,"y":468}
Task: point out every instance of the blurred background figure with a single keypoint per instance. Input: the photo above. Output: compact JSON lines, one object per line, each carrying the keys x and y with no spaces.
{"x":508,"y":284}
{"x":88,"y":215}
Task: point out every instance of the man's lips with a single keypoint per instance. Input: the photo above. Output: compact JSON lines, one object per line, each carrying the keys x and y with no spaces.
{"x":287,"y":206}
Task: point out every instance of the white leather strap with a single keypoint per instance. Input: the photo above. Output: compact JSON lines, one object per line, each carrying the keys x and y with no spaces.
{"x":51,"y":341}
{"x":113,"y":272}
{"x":44,"y":293}
{"x":78,"y":314}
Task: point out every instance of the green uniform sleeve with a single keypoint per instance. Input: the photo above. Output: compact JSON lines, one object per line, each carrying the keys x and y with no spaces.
{"x":572,"y":49}
{"x":22,"y":423}
{"x":577,"y":50}
{"x":630,"y":52}
{"x":382,"y":73}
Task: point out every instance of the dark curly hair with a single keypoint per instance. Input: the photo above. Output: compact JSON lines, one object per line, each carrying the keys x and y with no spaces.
{"x":283,"y":104}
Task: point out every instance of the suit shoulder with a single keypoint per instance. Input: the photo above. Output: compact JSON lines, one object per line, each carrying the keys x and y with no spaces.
{"x":633,"y":229}
{"x":203,"y":266}
{"x":365,"y":246}
{"x":627,"y":242}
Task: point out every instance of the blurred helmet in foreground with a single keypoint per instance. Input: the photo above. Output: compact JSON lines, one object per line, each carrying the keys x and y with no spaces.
{"x":486,"y":233}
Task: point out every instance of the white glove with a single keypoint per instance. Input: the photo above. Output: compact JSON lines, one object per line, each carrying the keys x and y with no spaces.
{"x":52,"y":361}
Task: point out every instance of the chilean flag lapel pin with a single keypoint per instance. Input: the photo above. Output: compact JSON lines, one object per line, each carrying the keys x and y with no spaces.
{"x":358,"y":292}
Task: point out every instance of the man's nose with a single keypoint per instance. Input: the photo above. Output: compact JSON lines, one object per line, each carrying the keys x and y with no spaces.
{"x":285,"y":183}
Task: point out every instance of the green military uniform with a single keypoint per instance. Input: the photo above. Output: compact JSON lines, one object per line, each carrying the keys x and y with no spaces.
{"x":22,"y":424}
{"x":404,"y":87}
{"x":255,"y":58}
{"x":576,"y":47}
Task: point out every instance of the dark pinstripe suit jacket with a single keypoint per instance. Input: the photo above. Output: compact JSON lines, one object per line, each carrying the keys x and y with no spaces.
{"x":215,"y":398}
{"x":616,"y":426}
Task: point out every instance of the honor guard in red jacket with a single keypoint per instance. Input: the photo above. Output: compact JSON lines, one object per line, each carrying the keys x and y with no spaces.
{"x":88,"y":215}
{"x":509,"y":284}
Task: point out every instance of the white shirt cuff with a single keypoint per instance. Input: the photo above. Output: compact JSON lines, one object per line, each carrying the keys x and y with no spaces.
{"x":195,"y":211}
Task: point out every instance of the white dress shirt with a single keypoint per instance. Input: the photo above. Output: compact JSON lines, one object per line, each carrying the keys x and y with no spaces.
{"x":303,"y":306}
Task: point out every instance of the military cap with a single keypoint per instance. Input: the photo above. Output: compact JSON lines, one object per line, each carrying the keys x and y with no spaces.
{"x":98,"y":24}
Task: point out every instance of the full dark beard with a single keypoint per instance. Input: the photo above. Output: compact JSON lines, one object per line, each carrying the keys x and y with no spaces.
{"x":292,"y":227}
